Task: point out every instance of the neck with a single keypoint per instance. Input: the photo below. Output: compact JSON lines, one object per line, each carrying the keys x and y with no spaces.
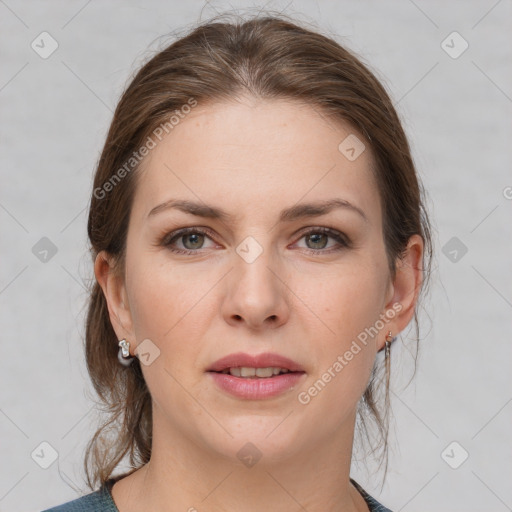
{"x":182,"y":476}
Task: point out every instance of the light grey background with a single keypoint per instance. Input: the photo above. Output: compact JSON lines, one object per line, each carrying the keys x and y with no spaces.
{"x":457,"y":111}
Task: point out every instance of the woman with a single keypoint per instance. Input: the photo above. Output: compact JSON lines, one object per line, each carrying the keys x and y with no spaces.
{"x":259,"y":236}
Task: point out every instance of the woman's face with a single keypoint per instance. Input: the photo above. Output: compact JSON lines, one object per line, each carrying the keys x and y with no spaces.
{"x":268,"y":276}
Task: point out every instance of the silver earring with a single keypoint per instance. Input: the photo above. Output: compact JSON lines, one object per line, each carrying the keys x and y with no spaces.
{"x":124,"y":353}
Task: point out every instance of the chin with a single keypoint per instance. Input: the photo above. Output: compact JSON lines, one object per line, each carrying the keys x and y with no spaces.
{"x":255,"y":439}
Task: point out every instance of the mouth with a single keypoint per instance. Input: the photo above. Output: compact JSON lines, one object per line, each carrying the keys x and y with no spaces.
{"x":247,"y":372}
{"x":261,"y":366}
{"x":256,"y":377}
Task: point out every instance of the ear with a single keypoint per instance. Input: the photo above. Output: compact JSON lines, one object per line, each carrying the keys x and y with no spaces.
{"x":404,"y":289}
{"x":114,"y":289}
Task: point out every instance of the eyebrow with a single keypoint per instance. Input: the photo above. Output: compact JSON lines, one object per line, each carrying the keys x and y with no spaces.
{"x":298,"y":211}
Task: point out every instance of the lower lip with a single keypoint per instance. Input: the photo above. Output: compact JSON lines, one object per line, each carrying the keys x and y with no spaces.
{"x":257,"y":388}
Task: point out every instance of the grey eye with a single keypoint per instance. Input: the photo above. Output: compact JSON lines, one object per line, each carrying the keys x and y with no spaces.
{"x":196,"y":240}
{"x":319,"y":240}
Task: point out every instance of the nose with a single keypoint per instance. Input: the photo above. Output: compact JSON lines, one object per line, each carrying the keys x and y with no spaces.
{"x":256,"y":294}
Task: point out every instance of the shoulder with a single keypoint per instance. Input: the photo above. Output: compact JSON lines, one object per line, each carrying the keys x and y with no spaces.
{"x":98,"y":501}
{"x":373,"y":504}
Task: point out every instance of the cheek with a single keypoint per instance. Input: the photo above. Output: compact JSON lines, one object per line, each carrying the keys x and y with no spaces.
{"x":164,"y":300}
{"x":345,"y":354}
{"x":169,"y":307}
{"x":346,"y":300}
{"x":349,"y":304}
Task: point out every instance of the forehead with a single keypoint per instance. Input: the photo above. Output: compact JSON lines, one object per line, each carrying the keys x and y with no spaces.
{"x":254,"y":153}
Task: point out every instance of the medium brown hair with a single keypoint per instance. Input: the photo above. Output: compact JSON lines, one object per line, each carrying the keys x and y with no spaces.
{"x":268,"y":57}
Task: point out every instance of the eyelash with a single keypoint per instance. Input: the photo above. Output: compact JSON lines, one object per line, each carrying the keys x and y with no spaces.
{"x":342,"y":240}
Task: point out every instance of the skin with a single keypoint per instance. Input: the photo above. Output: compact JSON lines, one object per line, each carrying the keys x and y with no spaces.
{"x":300,"y":298}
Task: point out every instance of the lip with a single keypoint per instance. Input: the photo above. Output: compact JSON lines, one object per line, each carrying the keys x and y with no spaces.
{"x":264,"y":360}
{"x":257,"y":388}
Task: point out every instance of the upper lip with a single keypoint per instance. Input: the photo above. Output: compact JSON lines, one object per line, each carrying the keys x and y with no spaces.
{"x":265,"y":360}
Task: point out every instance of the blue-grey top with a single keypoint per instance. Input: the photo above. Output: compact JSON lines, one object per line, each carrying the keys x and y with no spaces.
{"x":102,"y":501}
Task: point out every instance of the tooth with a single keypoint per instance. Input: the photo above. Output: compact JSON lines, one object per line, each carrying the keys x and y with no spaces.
{"x":247,"y":372}
{"x":264,"y":372}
